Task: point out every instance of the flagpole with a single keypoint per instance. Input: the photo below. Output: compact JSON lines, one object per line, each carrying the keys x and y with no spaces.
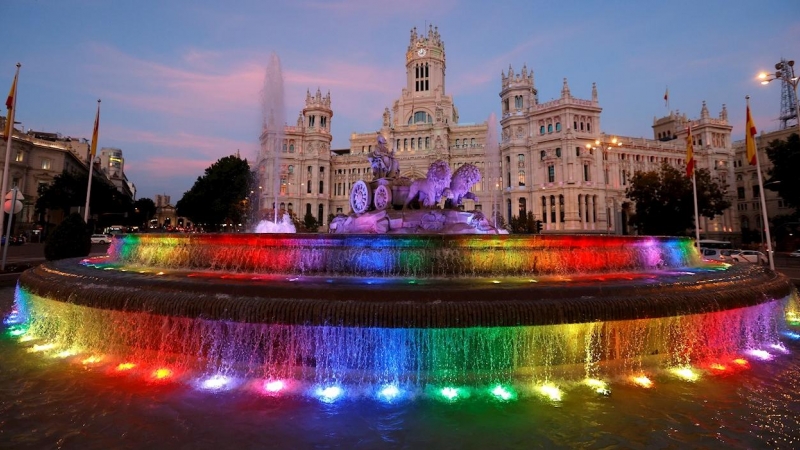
{"x":9,"y":139}
{"x":764,"y":218}
{"x":92,"y":151}
{"x":696,"y":215}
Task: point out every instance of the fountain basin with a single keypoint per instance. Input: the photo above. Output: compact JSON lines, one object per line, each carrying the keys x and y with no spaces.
{"x":414,"y":310}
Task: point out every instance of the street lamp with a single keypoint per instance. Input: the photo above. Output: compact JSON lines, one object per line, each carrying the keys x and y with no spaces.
{"x":604,"y":146}
{"x":784,"y":70}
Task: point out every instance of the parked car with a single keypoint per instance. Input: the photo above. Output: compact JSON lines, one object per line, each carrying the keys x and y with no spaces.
{"x":750,"y":256}
{"x":716,"y":254}
{"x":795,"y":254}
{"x":101,"y":239}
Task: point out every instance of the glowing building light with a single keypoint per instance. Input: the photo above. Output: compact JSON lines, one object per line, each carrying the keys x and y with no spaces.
{"x":550,"y":391}
{"x":793,"y":318}
{"x":160,"y":273}
{"x":686,"y":373}
{"x":42,"y":348}
{"x":274,"y":386}
{"x":760,"y":354}
{"x":599,"y":386}
{"x":389,"y":392}
{"x":64,"y":354}
{"x":496,"y":281}
{"x":449,"y":393}
{"x":216,"y":382}
{"x":161,"y":374}
{"x":125,"y":366}
{"x":642,"y":381}
{"x":92,"y":360}
{"x":329,"y":394}
{"x":741,"y":361}
{"x":502,"y":393}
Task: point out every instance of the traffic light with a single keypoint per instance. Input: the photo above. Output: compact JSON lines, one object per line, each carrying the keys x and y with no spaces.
{"x":539,"y":226}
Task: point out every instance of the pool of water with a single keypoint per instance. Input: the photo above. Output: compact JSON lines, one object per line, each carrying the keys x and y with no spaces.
{"x":48,"y":402}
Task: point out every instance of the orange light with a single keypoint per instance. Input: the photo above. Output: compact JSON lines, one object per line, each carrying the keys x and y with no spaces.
{"x":126,"y":366}
{"x":643,"y":381}
{"x":719,"y":367}
{"x":741,"y":361}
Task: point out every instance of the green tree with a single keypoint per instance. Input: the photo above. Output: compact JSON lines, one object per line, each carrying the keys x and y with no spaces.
{"x":523,"y":225}
{"x":309,"y":223}
{"x":144,"y":209}
{"x":68,"y":191}
{"x":70,"y":239}
{"x":664,"y":200}
{"x":783,"y":176}
{"x":216,"y":197}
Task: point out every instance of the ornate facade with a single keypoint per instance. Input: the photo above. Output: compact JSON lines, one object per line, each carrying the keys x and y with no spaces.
{"x":554,"y":159}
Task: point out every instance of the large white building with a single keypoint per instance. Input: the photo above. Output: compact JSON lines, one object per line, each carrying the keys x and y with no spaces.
{"x":554,"y":159}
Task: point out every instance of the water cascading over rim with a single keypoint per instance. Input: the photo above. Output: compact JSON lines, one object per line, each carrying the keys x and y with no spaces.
{"x":410,"y":308}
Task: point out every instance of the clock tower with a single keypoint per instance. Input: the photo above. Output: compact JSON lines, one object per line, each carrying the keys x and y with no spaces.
{"x":425,"y":63}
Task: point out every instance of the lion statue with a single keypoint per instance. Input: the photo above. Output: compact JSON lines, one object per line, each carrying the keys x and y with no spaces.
{"x":430,"y":190}
{"x":463,"y":179}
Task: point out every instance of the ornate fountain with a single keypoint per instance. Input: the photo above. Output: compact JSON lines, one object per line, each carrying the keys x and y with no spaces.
{"x":459,"y":305}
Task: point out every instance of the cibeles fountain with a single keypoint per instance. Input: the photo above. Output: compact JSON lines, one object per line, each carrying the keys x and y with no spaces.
{"x":407,"y":297}
{"x":382,"y":206}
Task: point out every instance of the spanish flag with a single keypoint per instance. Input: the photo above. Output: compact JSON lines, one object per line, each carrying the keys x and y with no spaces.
{"x":750,"y":138}
{"x":10,"y":103}
{"x":666,"y":97}
{"x":94,"y":134}
{"x":689,"y":153}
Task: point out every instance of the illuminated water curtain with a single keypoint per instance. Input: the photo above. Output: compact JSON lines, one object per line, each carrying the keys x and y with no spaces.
{"x":396,"y":317}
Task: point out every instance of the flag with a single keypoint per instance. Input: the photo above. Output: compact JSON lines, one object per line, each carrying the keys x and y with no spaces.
{"x":750,"y":138}
{"x":666,"y":97}
{"x":689,"y":153}
{"x":94,"y":134}
{"x":10,"y":106}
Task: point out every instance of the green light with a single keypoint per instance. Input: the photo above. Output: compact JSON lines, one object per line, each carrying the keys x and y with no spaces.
{"x":503,"y":393}
{"x":449,"y":393}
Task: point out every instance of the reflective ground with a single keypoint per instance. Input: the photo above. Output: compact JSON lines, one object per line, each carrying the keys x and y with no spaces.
{"x":48,"y":402}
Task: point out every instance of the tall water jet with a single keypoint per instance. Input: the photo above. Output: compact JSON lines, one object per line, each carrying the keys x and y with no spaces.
{"x":493,"y":163}
{"x":272,"y":135}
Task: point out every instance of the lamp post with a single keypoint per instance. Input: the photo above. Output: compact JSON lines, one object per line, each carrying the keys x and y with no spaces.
{"x":604,"y":146}
{"x":784,"y":70}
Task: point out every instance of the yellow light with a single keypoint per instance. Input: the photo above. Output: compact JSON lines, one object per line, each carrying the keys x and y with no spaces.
{"x":686,"y":373}
{"x":92,"y":360}
{"x":740,"y":361}
{"x":126,"y":366}
{"x":599,"y":386}
{"x":550,"y":391}
{"x":26,"y":338}
{"x":161,"y":374}
{"x":41,"y":348}
{"x":65,"y":354}
{"x":762,"y":75}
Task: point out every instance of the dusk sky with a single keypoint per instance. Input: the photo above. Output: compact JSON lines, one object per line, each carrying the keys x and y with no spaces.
{"x":180,"y":80}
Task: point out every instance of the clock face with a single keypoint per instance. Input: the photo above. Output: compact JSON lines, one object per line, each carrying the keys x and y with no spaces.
{"x":421,"y":52}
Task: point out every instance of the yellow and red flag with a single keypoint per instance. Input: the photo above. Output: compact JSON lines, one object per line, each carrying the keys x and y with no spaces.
{"x":666,"y":97}
{"x":94,"y":134}
{"x":10,"y":106}
{"x":689,"y":153}
{"x":750,"y":138}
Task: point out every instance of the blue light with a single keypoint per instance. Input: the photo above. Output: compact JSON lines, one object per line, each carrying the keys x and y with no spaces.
{"x":791,"y":335}
{"x":389,"y":392}
{"x":329,"y":394}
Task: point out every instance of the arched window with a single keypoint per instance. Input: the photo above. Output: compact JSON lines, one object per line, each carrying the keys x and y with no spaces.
{"x":745,"y":223}
{"x":541,"y":129}
{"x":419,"y":143}
{"x":320,"y":212}
{"x":283,"y":205}
{"x":291,"y":146}
{"x":458,"y":141}
{"x":427,"y":143}
{"x":550,"y":128}
{"x":321,"y":186}
{"x":518,"y":101}
{"x":472,"y":142}
{"x":508,"y":208}
{"x":552,"y":209}
{"x":308,"y":208}
{"x":291,"y":207}
{"x":523,"y":207}
{"x":558,"y":127}
{"x":561,"y":207}
{"x":558,"y":152}
{"x":284,"y":146}
{"x":521,"y":178}
{"x":291,"y":170}
{"x":544,"y":209}
{"x":405,"y":145}
{"x":420,"y":117}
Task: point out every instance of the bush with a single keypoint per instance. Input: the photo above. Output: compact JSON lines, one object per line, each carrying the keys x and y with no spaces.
{"x":70,"y":239}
